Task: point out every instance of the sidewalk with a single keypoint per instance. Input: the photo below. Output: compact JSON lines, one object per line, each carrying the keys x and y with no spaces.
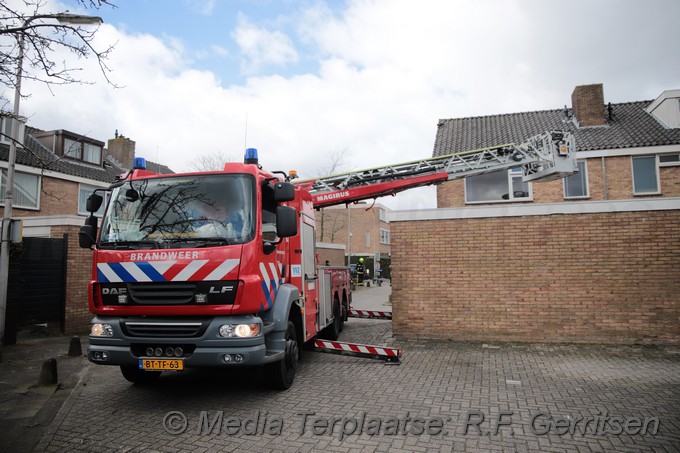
{"x":373,"y":297}
{"x":26,"y":408}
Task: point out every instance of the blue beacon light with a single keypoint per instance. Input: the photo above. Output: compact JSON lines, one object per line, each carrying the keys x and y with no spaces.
{"x":139,"y":163}
{"x":251,"y":156}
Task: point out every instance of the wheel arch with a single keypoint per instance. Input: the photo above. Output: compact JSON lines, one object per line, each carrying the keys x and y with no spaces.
{"x":284,"y":305}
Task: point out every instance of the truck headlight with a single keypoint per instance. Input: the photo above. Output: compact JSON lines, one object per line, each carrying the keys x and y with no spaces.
{"x":101,"y":330}
{"x":239,"y":330}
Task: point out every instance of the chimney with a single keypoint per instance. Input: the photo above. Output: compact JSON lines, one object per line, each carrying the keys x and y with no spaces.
{"x":587,"y":102}
{"x":122,"y":149}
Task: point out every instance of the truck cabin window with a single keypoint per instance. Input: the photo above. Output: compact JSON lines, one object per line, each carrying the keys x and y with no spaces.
{"x":268,"y":214}
{"x":213,"y":209}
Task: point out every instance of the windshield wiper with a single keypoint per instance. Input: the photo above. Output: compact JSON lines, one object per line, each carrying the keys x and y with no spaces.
{"x":129,"y":245}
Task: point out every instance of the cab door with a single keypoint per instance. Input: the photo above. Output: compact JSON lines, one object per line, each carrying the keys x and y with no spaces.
{"x":309,"y":276}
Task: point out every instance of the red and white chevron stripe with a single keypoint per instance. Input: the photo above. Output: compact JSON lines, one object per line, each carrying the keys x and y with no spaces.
{"x":369,"y":314}
{"x":357,"y":349}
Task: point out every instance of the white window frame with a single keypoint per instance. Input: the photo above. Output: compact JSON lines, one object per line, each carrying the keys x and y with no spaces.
{"x":515,"y":172}
{"x":80,"y":151}
{"x":381,"y":214}
{"x":656,"y":170}
{"x":384,"y":236}
{"x":675,"y":163}
{"x":14,"y":201}
{"x":583,"y":172}
{"x":6,"y":129}
{"x":91,"y":188}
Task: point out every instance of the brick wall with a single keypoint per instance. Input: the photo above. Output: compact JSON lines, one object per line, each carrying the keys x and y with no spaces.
{"x":670,"y":181}
{"x":79,"y":272}
{"x":601,"y":277}
{"x":57,"y":197}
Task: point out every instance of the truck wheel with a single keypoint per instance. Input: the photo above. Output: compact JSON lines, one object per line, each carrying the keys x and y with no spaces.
{"x":282,"y":373}
{"x":332,"y":332}
{"x":137,"y":376}
{"x":343,"y":315}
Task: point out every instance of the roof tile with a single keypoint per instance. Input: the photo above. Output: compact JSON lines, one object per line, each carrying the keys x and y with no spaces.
{"x":631,"y":126}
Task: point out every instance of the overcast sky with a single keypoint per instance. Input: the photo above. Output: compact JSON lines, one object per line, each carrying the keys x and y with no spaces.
{"x":313,"y":78}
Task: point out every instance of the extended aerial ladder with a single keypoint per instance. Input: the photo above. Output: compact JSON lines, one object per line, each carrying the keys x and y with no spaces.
{"x":544,"y":157}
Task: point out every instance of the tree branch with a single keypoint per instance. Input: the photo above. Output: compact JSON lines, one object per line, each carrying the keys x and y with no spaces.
{"x":43,"y":38}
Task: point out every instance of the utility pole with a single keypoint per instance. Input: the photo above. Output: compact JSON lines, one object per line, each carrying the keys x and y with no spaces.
{"x":64,"y":18}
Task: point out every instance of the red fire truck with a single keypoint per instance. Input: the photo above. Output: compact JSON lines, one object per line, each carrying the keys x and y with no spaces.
{"x":218,"y":269}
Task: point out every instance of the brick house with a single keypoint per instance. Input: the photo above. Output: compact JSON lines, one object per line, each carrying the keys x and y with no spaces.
{"x":370,"y":231}
{"x":591,"y":258}
{"x":55,"y":172}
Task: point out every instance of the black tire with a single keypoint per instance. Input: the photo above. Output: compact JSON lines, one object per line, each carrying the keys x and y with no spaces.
{"x":282,"y":373}
{"x":343,"y":315}
{"x":140,"y":377}
{"x":332,"y":332}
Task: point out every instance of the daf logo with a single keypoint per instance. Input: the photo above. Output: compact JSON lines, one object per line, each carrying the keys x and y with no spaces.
{"x":221,"y":289}
{"x":114,"y":291}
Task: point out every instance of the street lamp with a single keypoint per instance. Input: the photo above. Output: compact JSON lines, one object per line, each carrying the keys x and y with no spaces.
{"x":62,"y":18}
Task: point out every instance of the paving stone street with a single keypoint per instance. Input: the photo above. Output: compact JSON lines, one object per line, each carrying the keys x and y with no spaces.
{"x":444,"y":396}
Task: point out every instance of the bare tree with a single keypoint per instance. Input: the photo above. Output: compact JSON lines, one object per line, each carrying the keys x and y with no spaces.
{"x":333,"y":220}
{"x":209,"y":162}
{"x":336,"y":163}
{"x":331,"y":223}
{"x":43,"y":37}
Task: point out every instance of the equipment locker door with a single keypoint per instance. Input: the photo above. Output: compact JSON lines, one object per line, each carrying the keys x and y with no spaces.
{"x":309,"y":277}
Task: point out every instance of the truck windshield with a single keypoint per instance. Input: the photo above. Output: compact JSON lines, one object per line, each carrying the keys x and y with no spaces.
{"x":207,"y":209}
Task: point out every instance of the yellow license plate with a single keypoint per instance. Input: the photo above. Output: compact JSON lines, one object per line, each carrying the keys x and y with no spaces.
{"x":161,"y":364}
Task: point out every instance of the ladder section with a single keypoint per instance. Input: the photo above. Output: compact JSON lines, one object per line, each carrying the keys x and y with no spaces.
{"x":545,"y":156}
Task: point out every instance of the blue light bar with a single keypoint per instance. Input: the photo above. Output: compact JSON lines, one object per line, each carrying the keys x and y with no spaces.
{"x":251,"y":156}
{"x":139,"y":163}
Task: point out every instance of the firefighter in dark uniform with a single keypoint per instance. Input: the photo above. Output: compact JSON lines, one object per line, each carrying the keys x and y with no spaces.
{"x":360,"y":272}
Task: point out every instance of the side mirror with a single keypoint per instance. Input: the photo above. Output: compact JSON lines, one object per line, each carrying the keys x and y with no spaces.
{"x":94,"y":202}
{"x":286,"y":221}
{"x":131,"y":195}
{"x":284,"y":191}
{"x":87,"y":235}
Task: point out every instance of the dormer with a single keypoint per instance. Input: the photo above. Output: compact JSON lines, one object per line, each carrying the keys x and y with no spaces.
{"x":666,"y":109}
{"x":72,"y":146}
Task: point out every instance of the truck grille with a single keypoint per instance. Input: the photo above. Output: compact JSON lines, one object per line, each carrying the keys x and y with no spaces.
{"x":165,"y":293}
{"x":169,"y":293}
{"x":164,"y":328}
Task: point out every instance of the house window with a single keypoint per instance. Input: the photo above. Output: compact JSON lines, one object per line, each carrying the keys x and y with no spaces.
{"x":497,"y":186}
{"x":381,"y":215}
{"x":645,"y":175}
{"x":6,"y":130}
{"x":576,"y":185}
{"x":669,"y":160}
{"x":83,"y":151}
{"x":84,"y":191}
{"x":26,"y":189}
{"x":384,"y":236}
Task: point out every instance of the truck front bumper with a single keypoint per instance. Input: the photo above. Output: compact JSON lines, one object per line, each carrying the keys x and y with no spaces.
{"x":207,"y":348}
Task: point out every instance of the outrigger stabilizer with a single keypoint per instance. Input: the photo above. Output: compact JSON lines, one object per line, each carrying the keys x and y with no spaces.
{"x":387,"y":354}
{"x":370,"y":314}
